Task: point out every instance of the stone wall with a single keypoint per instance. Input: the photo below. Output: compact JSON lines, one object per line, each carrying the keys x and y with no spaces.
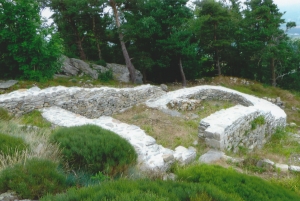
{"x":236,"y":128}
{"x":215,"y":94}
{"x":91,"y":103}
{"x":228,"y":129}
{"x":225,"y":130}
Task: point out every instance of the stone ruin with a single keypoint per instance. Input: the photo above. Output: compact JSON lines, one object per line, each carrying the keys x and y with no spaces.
{"x":227,"y":129}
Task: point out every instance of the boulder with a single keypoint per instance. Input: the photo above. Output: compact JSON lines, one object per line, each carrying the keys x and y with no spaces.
{"x":7,"y":84}
{"x":67,"y":67}
{"x":164,"y":87}
{"x":81,"y":66}
{"x":73,"y":67}
{"x":121,"y":73}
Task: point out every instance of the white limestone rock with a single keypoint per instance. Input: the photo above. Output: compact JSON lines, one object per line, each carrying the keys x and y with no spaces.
{"x":282,"y":167}
{"x":211,"y":156}
{"x":184,"y":156}
{"x":294,"y":168}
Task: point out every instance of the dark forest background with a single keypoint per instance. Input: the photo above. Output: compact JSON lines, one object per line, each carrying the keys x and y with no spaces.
{"x":164,"y":39}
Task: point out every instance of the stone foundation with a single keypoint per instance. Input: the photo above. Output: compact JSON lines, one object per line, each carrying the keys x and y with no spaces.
{"x":229,"y":129}
{"x":91,"y":103}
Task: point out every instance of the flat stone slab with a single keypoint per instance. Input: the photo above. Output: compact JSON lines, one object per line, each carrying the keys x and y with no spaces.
{"x":151,"y":156}
{"x":7,"y":84}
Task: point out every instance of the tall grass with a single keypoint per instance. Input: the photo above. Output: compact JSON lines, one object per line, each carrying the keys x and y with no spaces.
{"x":36,"y":139}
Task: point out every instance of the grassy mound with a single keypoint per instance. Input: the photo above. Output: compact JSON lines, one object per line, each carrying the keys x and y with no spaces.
{"x":146,"y":190}
{"x":232,"y":182}
{"x":93,"y":149}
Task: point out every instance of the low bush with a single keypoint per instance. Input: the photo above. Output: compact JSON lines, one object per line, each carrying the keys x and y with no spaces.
{"x":93,"y":149}
{"x":232,"y":182}
{"x":32,"y":180}
{"x":10,"y":145}
{"x":146,"y":190}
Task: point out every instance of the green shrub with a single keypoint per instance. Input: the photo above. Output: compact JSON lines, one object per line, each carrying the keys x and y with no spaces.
{"x":101,"y":62}
{"x":260,"y":120}
{"x":106,"y":76}
{"x":94,"y":149}
{"x":10,"y":145}
{"x":146,"y":190}
{"x":33,"y":179}
{"x":4,"y":115}
{"x":232,"y":182}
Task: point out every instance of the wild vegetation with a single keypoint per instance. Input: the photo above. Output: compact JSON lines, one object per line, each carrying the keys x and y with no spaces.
{"x":165,"y":40}
{"x":123,"y":182}
{"x":168,"y":42}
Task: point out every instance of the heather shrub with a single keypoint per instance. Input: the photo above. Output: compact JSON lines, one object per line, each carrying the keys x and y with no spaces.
{"x":32,"y":180}
{"x":9,"y":145}
{"x":228,"y":180}
{"x":93,"y":149}
{"x":146,"y":190}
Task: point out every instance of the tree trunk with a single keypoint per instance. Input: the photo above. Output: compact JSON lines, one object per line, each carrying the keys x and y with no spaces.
{"x":79,"y":46}
{"x":129,"y":65}
{"x":272,"y":64}
{"x":144,"y":76}
{"x":218,"y":62}
{"x":97,"y":41}
{"x":182,"y":73}
{"x":78,"y":41}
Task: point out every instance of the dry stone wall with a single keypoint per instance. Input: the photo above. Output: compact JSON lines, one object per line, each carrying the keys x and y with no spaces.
{"x":91,"y":103}
{"x":229,"y":129}
{"x":237,"y":128}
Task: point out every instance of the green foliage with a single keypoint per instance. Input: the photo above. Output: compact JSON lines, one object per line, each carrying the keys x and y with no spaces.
{"x":106,"y":76}
{"x":94,"y":149}
{"x":101,"y":62}
{"x":100,"y":177}
{"x":80,"y":179}
{"x":214,"y":20}
{"x":232,"y":182}
{"x":4,"y":115}
{"x":29,"y":49}
{"x":32,"y":180}
{"x":35,"y":118}
{"x":128,"y":190}
{"x":258,"y":121}
{"x":10,"y":145}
